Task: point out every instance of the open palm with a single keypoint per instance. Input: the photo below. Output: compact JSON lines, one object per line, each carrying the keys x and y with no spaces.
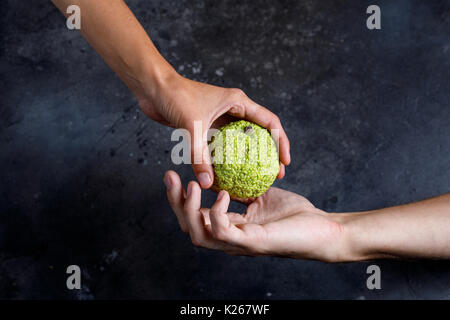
{"x":279,"y":223}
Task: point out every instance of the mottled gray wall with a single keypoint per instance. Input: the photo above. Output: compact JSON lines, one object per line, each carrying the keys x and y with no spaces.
{"x":367,"y":112}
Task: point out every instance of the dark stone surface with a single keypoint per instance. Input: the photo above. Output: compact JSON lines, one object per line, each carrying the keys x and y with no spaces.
{"x":367,"y":112}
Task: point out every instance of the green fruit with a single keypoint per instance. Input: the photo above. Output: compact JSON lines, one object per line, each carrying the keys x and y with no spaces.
{"x":245,"y":159}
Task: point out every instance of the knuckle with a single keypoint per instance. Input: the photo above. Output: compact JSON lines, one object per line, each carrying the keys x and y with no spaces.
{"x":237,"y":92}
{"x":275,"y":123}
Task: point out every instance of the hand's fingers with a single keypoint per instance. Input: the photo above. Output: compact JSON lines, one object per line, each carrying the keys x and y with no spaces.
{"x":221,"y":227}
{"x":201,"y":162}
{"x":175,"y":195}
{"x":282,"y":171}
{"x":194,"y":216}
{"x":197,"y":222}
{"x":262,"y":116}
{"x":204,"y":170}
{"x":269,"y":120}
{"x":192,"y":209}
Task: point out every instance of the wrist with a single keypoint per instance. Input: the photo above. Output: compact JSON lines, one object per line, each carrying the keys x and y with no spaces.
{"x":157,"y":76}
{"x":350,"y":246}
{"x":361,"y":239}
{"x":148,"y":74}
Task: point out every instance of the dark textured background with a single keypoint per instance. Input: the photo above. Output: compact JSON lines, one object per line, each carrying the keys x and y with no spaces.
{"x":367,"y":112}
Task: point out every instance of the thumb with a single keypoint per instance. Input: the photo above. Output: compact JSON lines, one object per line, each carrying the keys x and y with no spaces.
{"x":200,"y":158}
{"x":221,"y":227}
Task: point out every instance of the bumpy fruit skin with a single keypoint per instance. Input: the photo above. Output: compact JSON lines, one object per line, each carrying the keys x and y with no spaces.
{"x":242,"y":165}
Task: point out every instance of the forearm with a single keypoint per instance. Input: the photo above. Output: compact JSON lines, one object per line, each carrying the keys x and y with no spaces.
{"x":113,"y":31}
{"x":417,"y":230}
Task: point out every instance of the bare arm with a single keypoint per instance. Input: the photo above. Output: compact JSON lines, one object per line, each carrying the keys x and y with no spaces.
{"x":113,"y":31}
{"x":282,"y":223}
{"x":420,"y":229}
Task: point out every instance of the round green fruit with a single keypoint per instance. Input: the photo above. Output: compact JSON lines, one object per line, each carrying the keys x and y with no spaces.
{"x":245,"y":159}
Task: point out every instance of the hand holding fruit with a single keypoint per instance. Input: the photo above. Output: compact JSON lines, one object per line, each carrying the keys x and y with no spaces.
{"x":178,"y":102}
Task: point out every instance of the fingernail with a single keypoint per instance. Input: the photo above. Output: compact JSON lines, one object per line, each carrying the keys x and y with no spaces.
{"x":204,"y":179}
{"x":167,"y":182}
{"x":221,"y":194}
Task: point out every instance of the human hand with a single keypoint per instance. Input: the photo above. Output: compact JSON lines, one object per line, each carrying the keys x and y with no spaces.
{"x":165,"y":96}
{"x":178,"y":102}
{"x":278,"y":223}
